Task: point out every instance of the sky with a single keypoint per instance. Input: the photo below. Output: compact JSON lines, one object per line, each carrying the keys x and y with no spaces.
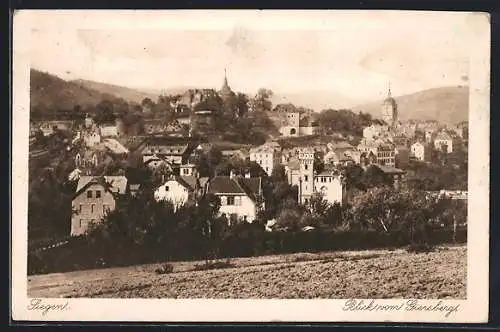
{"x":352,"y":53}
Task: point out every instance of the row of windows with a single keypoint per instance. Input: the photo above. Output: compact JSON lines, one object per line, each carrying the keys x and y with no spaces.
{"x":324,"y":179}
{"x":93,"y":209}
{"x":231,"y":200}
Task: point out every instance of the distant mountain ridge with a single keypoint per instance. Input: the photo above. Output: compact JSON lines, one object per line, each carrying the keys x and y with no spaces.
{"x":444,"y":104}
{"x":49,"y":92}
{"x":129,"y":94}
{"x":448,"y":105}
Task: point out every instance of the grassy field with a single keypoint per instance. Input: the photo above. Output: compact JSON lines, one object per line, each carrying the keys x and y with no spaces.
{"x":356,"y":274}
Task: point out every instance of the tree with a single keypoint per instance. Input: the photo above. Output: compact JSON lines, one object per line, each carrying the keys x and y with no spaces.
{"x":411,"y":213}
{"x":353,"y":176}
{"x":104,"y":112}
{"x":242,"y":101}
{"x":375,"y":177}
{"x":319,"y":208}
{"x":262,"y":101}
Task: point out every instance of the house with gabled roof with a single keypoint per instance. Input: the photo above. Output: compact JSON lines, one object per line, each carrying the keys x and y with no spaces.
{"x":445,"y":142}
{"x":179,"y":190}
{"x":95,"y":196}
{"x":241,"y":197}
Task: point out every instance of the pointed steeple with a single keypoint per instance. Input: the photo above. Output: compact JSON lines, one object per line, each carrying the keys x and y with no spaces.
{"x":389,"y":95}
{"x":225,"y":85}
{"x":225,"y":90}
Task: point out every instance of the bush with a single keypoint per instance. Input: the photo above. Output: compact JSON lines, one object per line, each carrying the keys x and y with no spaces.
{"x":211,"y":265}
{"x":164,"y":269}
{"x":418,"y":248}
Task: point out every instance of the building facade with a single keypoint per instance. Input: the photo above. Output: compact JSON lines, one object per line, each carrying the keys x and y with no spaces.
{"x":94,"y":198}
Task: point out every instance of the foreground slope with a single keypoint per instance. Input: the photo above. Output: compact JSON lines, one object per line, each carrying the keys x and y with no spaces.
{"x":363,"y":274}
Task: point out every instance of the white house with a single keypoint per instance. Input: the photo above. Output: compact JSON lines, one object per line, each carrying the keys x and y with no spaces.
{"x":239,"y":196}
{"x":420,"y":151}
{"x":444,"y":142}
{"x":91,"y":138}
{"x":329,"y":184}
{"x":267,"y":156}
{"x":178,"y":190}
{"x":108,"y":130}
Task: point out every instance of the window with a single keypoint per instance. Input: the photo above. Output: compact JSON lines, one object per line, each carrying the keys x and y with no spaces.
{"x":80,"y":223}
{"x":89,"y":194}
{"x":81,"y":208}
{"x":105,"y":208}
{"x":223,"y":200}
{"x":186,"y":171}
{"x":267,"y":169}
{"x":305,"y":166}
{"x":306,"y":201}
{"x":306,"y":178}
{"x":230,"y":200}
{"x":97,"y":194}
{"x":92,"y":208}
{"x":167,"y":188}
{"x":237,"y":200}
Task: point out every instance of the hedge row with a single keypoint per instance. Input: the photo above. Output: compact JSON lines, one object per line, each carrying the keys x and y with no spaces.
{"x":80,"y":254}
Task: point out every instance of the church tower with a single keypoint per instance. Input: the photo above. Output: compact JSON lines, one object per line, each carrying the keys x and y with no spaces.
{"x":225,"y":91}
{"x":306,"y":176}
{"x":390,"y":109}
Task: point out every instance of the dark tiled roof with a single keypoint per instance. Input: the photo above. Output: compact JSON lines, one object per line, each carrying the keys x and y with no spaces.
{"x":252,"y":184}
{"x":190,"y":181}
{"x":224,"y":184}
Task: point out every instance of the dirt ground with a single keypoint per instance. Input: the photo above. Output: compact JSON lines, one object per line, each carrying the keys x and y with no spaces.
{"x":336,"y":275}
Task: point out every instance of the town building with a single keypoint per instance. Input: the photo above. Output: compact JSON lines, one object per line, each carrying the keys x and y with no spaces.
{"x":330,"y":185}
{"x":306,"y":176}
{"x":94,"y":198}
{"x":179,"y":190}
{"x":174,"y":150}
{"x":444,"y":142}
{"x":395,"y":174}
{"x":240,"y":197}
{"x":386,"y":155}
{"x":390,"y":110}
{"x":48,"y":127}
{"x":296,"y":126}
{"x":108,"y":130}
{"x":420,"y":151}
{"x":267,"y":156}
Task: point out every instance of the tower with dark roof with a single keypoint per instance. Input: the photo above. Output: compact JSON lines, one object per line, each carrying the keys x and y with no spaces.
{"x":390,"y":109}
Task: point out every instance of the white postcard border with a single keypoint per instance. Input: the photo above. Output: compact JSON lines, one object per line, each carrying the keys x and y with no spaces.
{"x":472,"y":310}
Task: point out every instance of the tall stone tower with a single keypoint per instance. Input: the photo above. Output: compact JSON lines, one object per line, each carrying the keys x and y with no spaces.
{"x":390,"y":110}
{"x":306,"y":176}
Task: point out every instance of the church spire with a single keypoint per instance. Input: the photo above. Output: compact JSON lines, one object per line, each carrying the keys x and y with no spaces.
{"x":389,"y":95}
{"x":225,"y":86}
{"x":225,"y":78}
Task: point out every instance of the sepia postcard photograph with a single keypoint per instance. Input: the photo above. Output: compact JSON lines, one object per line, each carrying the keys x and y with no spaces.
{"x":246,"y":166}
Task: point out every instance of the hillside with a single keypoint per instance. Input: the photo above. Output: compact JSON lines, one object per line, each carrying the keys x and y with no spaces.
{"x":49,"y":92}
{"x":130,"y":95}
{"x":445,"y":104}
{"x":316,"y":100}
{"x":340,"y":275}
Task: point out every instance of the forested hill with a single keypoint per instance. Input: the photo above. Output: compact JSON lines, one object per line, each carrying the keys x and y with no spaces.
{"x":445,"y":105}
